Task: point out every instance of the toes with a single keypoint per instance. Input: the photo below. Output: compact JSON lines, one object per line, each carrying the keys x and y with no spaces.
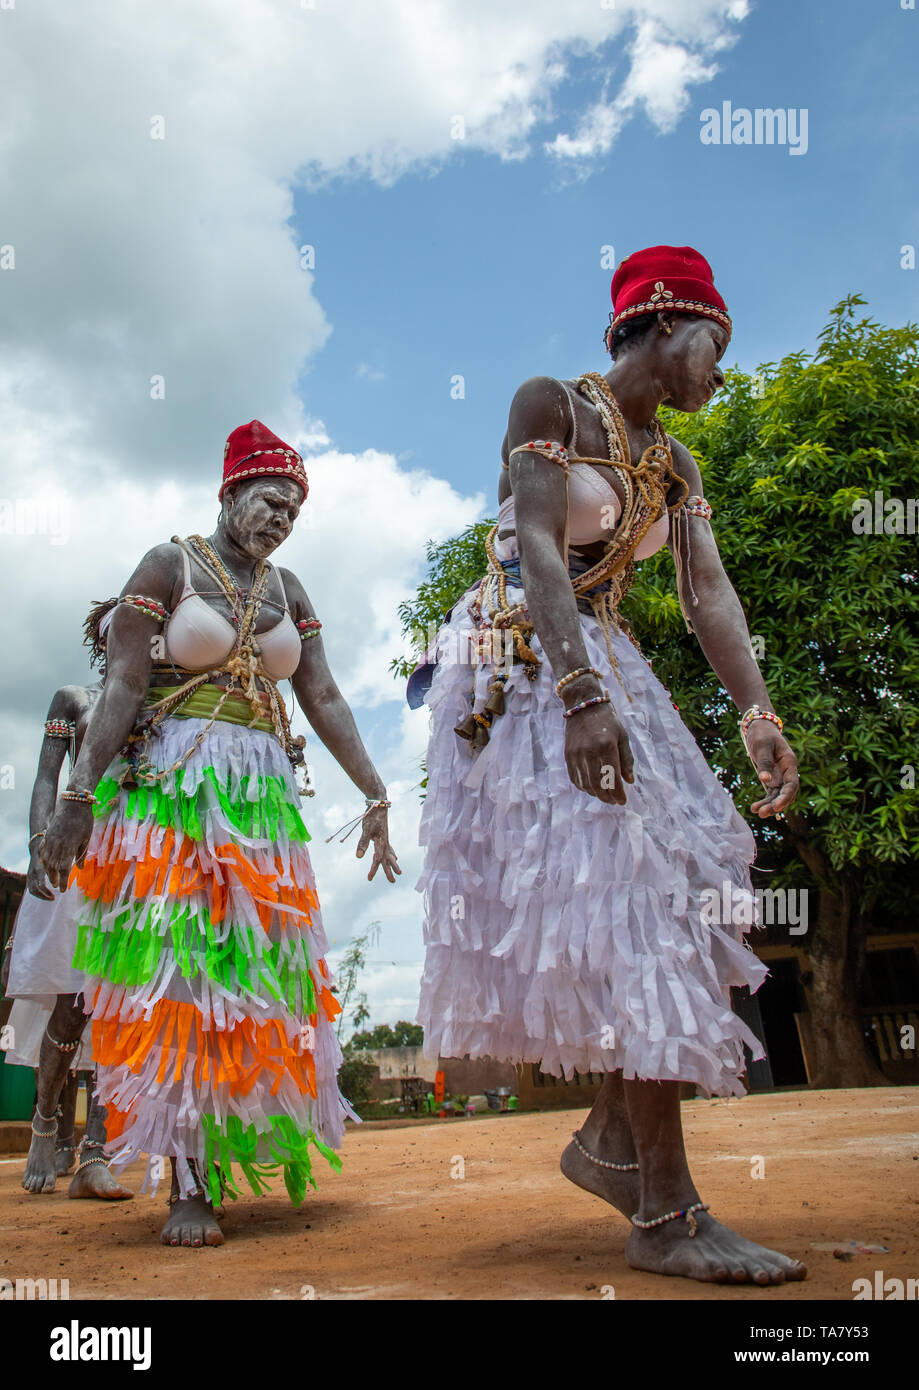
{"x":213,"y":1237}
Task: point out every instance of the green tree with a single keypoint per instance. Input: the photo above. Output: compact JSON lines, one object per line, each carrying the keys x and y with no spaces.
{"x":353,"y":1000}
{"x":355,"y":1078}
{"x":401,"y":1034}
{"x":453,"y":566}
{"x":355,"y":1075}
{"x":786,"y":454}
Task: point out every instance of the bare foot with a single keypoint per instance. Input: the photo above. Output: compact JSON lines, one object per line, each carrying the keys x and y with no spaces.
{"x":41,"y":1166}
{"x":621,"y":1190}
{"x":97,"y":1181}
{"x":715,"y":1255}
{"x":64,"y":1158}
{"x":192,"y":1222}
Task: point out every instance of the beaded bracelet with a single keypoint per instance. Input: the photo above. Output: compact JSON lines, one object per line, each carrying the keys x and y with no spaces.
{"x":151,"y":607}
{"x":308,"y":627}
{"x":549,"y":448}
{"x":60,"y":728}
{"x":697,"y":506}
{"x":85,"y":795}
{"x":754,"y":712}
{"x":573,"y":675}
{"x":351,"y":825}
{"x":603,"y":699}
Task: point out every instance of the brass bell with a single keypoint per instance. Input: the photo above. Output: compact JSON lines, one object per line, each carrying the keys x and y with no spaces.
{"x":495,"y":701}
{"x":467,"y":728}
{"x":480,"y":737}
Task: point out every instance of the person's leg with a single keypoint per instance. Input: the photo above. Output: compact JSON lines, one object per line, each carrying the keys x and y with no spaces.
{"x":66,"y":1112}
{"x":191,"y":1220}
{"x":700,"y":1247}
{"x":605,"y":1138}
{"x":58,"y":1046}
{"x":92,"y":1178}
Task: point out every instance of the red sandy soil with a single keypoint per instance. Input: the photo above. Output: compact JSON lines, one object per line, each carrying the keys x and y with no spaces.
{"x":839,"y":1166}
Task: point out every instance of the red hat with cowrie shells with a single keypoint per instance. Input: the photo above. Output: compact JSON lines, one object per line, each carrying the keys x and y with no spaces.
{"x":253,"y":451}
{"x":675,"y":278}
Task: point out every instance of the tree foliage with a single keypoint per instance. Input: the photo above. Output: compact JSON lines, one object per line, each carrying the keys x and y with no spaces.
{"x":784,"y":455}
{"x":401,"y":1034}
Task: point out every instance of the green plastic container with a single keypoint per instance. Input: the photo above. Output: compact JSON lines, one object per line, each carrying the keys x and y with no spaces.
{"x":17,"y":1091}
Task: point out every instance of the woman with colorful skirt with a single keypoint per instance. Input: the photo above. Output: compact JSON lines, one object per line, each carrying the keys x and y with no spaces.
{"x":201,"y":938}
{"x":575,"y":837}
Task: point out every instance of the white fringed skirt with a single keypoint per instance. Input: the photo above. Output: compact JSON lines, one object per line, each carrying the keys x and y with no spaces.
{"x":564,"y":930}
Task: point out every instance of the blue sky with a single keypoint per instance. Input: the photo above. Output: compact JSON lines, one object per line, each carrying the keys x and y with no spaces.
{"x":435,"y":257}
{"x":492,"y":269}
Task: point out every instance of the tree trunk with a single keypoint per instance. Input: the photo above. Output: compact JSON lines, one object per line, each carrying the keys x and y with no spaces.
{"x":843,"y":1057}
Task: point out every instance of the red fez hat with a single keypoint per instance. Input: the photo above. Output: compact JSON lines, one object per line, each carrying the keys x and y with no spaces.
{"x":674,"y":278}
{"x":253,"y":451}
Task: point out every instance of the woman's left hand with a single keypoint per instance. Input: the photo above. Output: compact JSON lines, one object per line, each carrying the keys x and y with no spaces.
{"x":776,"y":768}
{"x":375,"y":828}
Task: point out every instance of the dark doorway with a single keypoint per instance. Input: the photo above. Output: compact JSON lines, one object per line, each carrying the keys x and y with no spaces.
{"x":780,"y":998}
{"x":746,"y":1006}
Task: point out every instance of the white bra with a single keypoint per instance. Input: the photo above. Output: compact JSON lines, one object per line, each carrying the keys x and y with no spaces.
{"x":593,"y":510}
{"x":593,"y":507}
{"x":198,"y":638}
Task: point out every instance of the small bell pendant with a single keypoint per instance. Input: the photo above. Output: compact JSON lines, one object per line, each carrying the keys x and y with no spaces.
{"x":467,"y":728}
{"x":480,"y":737}
{"x":495,"y":702}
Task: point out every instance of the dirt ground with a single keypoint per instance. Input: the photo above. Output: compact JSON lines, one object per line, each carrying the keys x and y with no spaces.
{"x":840,"y":1166}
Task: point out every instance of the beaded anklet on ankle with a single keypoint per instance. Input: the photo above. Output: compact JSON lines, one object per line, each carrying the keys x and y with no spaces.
{"x":688,"y":1212}
{"x":99,"y":1157}
{"x":49,"y":1120}
{"x":602,"y":1162}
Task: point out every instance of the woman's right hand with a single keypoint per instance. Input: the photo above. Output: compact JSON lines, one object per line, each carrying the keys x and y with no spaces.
{"x":598,"y":753}
{"x":66,"y":840}
{"x":36,"y":882}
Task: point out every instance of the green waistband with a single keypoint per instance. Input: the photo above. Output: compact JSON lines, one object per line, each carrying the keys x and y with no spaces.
{"x":202,"y":703}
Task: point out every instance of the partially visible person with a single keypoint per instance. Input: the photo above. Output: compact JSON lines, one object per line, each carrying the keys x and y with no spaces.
{"x":47,"y":1020}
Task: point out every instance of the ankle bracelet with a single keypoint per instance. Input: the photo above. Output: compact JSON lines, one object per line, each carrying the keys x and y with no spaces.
{"x":100,"y":1158}
{"x":602,"y":1162}
{"x":62,"y":1046}
{"x":688,"y":1212}
{"x":63,"y":1146}
{"x":48,"y":1120}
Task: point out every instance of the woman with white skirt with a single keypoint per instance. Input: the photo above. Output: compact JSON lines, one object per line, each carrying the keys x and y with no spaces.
{"x":574,"y":833}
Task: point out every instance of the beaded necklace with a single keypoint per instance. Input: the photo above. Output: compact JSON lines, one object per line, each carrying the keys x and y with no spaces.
{"x":645,"y":486}
{"x":243,"y":666}
{"x":246,"y":621}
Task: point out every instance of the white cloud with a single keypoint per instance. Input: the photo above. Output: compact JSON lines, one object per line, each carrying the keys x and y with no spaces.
{"x":669,"y":54}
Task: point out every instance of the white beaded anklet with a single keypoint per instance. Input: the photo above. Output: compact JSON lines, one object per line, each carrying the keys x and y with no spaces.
{"x":672,"y":1216}
{"x":49,"y":1120}
{"x":602,"y":1162}
{"x":101,"y":1158}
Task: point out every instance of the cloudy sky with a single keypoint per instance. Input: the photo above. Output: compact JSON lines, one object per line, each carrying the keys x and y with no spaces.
{"x":323,"y":214}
